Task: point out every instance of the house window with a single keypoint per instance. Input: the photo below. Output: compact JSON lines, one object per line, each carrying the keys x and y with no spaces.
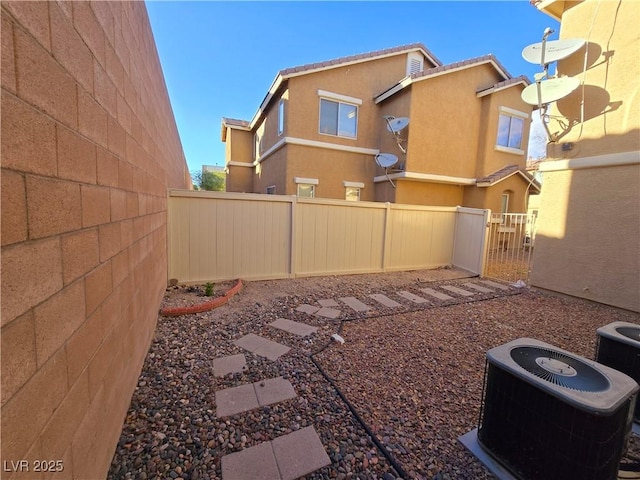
{"x":510,"y":129}
{"x":352,"y":190}
{"x":352,"y":194}
{"x":504,"y":203}
{"x":271,"y":190}
{"x":338,"y":118}
{"x":306,"y":190}
{"x":281,"y":117}
{"x":306,"y":187}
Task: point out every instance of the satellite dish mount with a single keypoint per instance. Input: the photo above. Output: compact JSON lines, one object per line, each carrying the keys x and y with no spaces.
{"x":395,"y":125}
{"x":387,"y":160}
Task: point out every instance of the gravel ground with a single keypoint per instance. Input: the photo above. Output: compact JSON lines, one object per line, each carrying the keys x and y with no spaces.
{"x":413,"y":373}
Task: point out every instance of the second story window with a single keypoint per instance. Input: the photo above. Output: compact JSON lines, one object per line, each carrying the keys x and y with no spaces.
{"x":338,"y":114}
{"x":281,"y":117}
{"x":510,"y":130}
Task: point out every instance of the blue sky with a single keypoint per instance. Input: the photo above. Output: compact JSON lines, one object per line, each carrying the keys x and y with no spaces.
{"x":219,"y":58}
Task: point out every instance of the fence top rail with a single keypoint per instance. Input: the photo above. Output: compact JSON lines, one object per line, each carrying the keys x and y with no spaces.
{"x":473,"y":211}
{"x":230,"y":195}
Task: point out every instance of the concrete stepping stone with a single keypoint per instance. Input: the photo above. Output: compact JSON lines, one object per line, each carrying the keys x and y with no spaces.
{"x":310,"y":309}
{"x":229,"y":364}
{"x":252,"y":395}
{"x":356,"y":304}
{"x":257,"y":463}
{"x":477,"y":287}
{"x":285,"y":458}
{"x":235,"y":400}
{"x":499,"y":286}
{"x":436,"y":294}
{"x":329,"y":312}
{"x":299,"y":453}
{"x":411,"y":297}
{"x":329,"y":302}
{"x":262,"y":346}
{"x":297,"y":328}
{"x":384,"y":300}
{"x":458,"y":290}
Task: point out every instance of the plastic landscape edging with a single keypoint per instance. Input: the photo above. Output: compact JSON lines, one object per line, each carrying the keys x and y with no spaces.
{"x":205,"y":306}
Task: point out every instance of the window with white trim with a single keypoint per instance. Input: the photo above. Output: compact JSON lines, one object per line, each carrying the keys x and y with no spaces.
{"x":504,"y":203}
{"x":338,"y":118}
{"x":306,"y":190}
{"x":281,"y":116}
{"x":510,"y":129}
{"x":352,"y":194}
{"x":306,"y":187}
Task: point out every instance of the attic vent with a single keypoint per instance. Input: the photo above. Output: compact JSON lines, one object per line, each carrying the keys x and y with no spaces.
{"x":415,"y":63}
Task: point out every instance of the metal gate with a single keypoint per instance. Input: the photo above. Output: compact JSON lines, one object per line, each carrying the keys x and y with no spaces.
{"x":510,"y":246}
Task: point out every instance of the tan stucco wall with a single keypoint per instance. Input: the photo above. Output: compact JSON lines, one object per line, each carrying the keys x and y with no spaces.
{"x":589,"y":220}
{"x":422,"y":193}
{"x":491,"y":197}
{"x":611,"y":119}
{"x":89,"y":148}
{"x":489,"y":158}
{"x":239,"y":179}
{"x":331,"y":168}
{"x":587,"y":235}
{"x":443,"y":107}
{"x":239,"y":148}
{"x":273,"y":171}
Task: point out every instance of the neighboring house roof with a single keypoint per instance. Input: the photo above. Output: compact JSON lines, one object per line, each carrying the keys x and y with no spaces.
{"x":503,"y":174}
{"x":232,"y":123}
{"x":326,"y":65}
{"x":447,"y":69}
{"x":521,"y":80}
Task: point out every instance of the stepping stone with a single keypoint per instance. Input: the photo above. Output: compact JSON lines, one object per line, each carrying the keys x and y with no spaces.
{"x":229,"y":364}
{"x":262,"y":346}
{"x":235,"y":400}
{"x":310,"y":309}
{"x":329,"y":312}
{"x":257,"y":463}
{"x":296,"y":328}
{"x":299,"y":453}
{"x":274,"y":390}
{"x":459,"y":291}
{"x":411,"y":297}
{"x":285,"y":458}
{"x":384,"y":300}
{"x":495,"y":285}
{"x":436,"y":294}
{"x":253,"y":395}
{"x":356,"y":304}
{"x":477,"y":287}
{"x":328,"y":303}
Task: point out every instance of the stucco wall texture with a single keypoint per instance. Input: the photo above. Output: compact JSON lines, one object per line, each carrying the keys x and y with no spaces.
{"x":89,"y":148}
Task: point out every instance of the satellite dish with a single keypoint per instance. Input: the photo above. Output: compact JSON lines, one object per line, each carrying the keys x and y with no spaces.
{"x":386,"y":160}
{"x":553,"y":50}
{"x":547,"y":91}
{"x":396,"y":124}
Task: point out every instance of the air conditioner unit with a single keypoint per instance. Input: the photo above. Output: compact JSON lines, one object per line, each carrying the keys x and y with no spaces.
{"x":549,"y":414}
{"x":619,"y":348}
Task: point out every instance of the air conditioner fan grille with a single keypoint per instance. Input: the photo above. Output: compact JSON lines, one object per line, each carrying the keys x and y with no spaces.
{"x":630,"y":332}
{"x":560,"y":369}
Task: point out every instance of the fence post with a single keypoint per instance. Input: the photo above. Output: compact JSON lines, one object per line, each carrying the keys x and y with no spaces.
{"x":485,"y":242}
{"x":385,"y":239}
{"x":292,"y":240}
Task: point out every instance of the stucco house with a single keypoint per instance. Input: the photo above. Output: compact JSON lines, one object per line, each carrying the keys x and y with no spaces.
{"x":320,"y":128}
{"x":588,"y":228}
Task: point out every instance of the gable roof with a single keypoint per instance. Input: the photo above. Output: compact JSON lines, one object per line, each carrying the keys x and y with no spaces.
{"x":309,"y":68}
{"x":521,"y":80}
{"x":232,"y":123}
{"x":444,"y":70}
{"x":503,"y":174}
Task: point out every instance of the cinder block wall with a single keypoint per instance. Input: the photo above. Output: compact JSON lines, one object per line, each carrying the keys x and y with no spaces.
{"x":89,"y":148}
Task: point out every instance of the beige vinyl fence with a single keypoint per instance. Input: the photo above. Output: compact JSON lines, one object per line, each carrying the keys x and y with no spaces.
{"x":217,"y":236}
